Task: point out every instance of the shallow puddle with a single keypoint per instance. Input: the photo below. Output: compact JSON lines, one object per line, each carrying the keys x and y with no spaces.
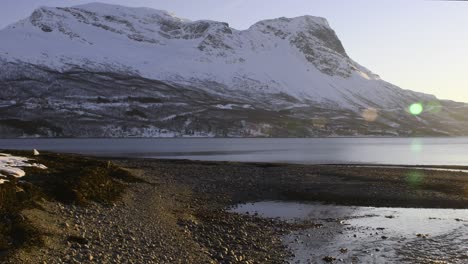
{"x":371,"y":235}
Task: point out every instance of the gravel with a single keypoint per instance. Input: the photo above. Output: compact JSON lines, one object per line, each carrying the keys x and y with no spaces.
{"x":179,"y":214}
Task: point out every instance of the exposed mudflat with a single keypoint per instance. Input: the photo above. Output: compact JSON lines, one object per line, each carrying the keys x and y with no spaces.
{"x":178,"y":212}
{"x":353,"y":234}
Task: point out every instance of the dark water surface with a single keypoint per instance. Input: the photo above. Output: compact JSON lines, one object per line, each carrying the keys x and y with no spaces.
{"x":407,"y":151}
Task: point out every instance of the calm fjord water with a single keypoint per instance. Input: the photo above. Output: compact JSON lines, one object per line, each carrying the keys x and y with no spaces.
{"x":407,"y":151}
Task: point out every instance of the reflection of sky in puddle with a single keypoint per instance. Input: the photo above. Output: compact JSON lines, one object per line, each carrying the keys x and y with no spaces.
{"x":372,"y":235}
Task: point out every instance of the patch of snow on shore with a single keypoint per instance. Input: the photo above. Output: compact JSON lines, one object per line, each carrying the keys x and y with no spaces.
{"x":10,"y":166}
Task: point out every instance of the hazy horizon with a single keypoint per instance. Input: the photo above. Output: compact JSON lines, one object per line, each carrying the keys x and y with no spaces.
{"x":417,"y":45}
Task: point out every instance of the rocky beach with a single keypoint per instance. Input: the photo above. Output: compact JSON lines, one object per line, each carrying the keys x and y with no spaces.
{"x":177,"y":211}
{"x":167,"y":132}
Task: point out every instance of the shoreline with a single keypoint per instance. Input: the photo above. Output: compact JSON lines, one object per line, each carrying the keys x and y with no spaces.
{"x":381,"y":185}
{"x":178,"y":210}
{"x":188,"y":137}
{"x":453,"y":168}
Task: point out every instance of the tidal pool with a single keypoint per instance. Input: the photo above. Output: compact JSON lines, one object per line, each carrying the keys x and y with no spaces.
{"x":352,"y":234}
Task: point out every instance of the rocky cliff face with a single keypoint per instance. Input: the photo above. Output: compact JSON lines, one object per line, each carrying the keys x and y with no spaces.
{"x":106,"y":70}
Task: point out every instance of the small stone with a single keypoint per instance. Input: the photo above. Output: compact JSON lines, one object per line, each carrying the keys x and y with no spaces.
{"x":329,"y":259}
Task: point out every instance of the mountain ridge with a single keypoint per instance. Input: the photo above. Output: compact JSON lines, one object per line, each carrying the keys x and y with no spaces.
{"x":291,"y":69}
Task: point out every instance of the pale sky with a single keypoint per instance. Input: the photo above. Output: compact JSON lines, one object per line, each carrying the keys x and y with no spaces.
{"x":420,"y":45}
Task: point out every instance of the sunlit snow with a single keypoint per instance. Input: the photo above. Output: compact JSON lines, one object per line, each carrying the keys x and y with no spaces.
{"x":263,"y":59}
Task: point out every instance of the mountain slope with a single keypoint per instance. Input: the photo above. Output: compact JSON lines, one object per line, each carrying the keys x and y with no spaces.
{"x":119,"y":71}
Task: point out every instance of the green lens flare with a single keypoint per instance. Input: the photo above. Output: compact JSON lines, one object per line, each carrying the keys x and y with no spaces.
{"x":416,"y":145}
{"x":416,"y":108}
{"x":414,"y":178}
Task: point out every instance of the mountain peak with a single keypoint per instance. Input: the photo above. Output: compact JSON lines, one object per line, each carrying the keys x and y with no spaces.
{"x":306,"y":31}
{"x":104,"y":8}
{"x":296,"y":23}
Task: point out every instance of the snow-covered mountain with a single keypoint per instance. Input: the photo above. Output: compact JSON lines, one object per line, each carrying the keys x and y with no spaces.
{"x":108,"y":70}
